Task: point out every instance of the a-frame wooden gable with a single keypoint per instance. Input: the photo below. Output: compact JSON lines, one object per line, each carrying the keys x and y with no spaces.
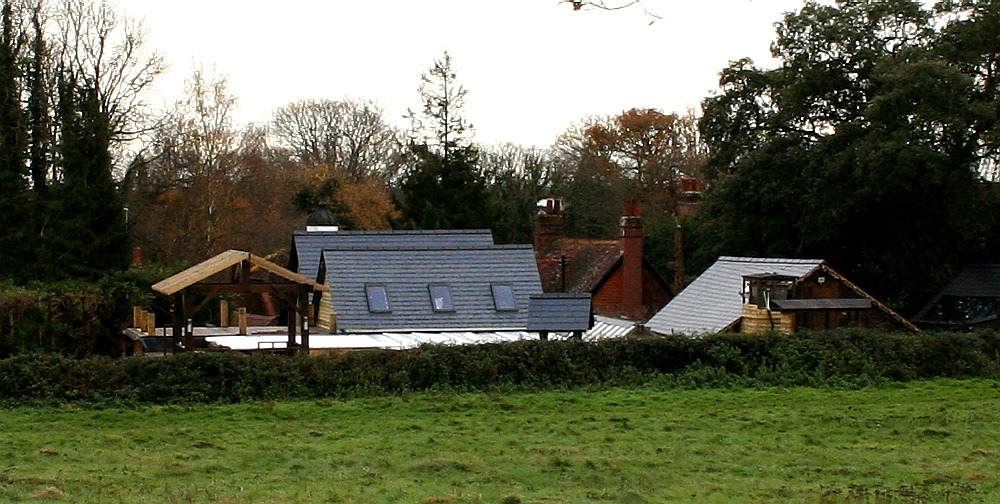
{"x":293,"y":289}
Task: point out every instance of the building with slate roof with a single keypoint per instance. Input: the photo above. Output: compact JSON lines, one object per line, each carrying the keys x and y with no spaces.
{"x":615,"y":273}
{"x":970,"y":301}
{"x":420,"y":287}
{"x":304,"y":255}
{"x":752,"y":294}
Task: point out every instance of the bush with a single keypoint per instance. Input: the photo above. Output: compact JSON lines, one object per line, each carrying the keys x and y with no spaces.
{"x":842,"y":358}
{"x":72,"y":317}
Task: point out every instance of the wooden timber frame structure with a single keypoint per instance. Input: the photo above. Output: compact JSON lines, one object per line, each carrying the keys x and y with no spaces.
{"x":292,"y":289}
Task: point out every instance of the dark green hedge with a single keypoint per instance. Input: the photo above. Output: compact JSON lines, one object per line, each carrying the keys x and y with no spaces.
{"x":74,"y":318}
{"x":843,"y":358}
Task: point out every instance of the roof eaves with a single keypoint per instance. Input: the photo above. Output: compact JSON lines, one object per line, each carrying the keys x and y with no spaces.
{"x":857,"y":290}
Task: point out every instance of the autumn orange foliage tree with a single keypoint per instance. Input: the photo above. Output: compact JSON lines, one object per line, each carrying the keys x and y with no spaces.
{"x":205,"y":186}
{"x":360,"y":202}
{"x":651,"y":151}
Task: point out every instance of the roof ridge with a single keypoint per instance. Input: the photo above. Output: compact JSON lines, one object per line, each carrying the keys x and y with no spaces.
{"x":361,"y":232}
{"x":770,"y":260}
{"x":422,"y":247}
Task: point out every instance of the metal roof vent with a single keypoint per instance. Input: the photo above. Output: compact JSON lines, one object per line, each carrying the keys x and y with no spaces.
{"x":322,"y":220}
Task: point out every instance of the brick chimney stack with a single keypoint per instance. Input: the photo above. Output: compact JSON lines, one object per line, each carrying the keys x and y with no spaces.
{"x":631,"y":245}
{"x":549,"y":226}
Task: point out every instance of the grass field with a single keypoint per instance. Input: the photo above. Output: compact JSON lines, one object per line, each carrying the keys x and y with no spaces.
{"x":917,"y":442}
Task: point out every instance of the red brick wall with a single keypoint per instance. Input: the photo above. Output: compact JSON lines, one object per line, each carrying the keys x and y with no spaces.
{"x":609,"y":299}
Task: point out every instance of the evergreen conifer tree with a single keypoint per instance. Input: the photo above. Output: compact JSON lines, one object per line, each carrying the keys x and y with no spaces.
{"x":444,"y":189}
{"x":14,"y":234}
{"x":86,"y":234}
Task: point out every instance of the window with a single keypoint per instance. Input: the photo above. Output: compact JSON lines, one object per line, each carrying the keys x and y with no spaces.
{"x":503,"y":297}
{"x":378,"y":299}
{"x":441,"y":298}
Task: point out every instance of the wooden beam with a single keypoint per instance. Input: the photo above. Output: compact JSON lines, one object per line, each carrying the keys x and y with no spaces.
{"x":254,"y":288}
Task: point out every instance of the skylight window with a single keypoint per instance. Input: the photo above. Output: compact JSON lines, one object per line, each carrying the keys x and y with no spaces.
{"x":378,"y":299}
{"x":503,"y":297}
{"x":441,"y":298}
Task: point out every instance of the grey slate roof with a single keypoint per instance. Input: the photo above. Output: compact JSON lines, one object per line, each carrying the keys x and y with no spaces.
{"x":560,"y":312}
{"x":977,"y":280}
{"x":714,"y":300}
{"x":972,"y":296}
{"x":407,"y":272}
{"x":303,"y":258}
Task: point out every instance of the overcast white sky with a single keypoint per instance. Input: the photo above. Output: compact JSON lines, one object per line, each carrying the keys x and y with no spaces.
{"x":531,"y":67}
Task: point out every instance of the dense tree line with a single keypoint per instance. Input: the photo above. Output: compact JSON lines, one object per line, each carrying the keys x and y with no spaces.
{"x":873,"y":145}
{"x":66,"y":101}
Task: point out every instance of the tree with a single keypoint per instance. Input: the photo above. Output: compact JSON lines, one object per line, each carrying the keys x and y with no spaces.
{"x":444,"y":192}
{"x":13,"y":151}
{"x":587,"y":182}
{"x":358,"y":203}
{"x":440,"y":125}
{"x":61,"y":111}
{"x":516,"y":179}
{"x":350,"y":134}
{"x":443,"y":187}
{"x":862,"y":148}
{"x":83,"y":232}
{"x":191,"y":178}
{"x":602,"y":5}
{"x":39,"y":116}
{"x":109,"y":53}
{"x":651,"y":151}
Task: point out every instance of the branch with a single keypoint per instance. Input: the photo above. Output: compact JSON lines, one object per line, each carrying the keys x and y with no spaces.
{"x":602,"y":5}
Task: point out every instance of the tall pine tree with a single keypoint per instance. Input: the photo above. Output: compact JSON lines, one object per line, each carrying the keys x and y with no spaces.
{"x":444,"y":189}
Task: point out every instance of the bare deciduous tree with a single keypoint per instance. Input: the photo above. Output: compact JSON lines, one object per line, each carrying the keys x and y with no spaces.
{"x":109,"y":52}
{"x":349,"y":134}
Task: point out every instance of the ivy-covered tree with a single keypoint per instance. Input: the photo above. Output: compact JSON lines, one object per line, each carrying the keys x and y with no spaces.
{"x":85,"y":235}
{"x":39,"y":114}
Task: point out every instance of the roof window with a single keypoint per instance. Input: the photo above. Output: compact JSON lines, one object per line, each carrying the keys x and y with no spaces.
{"x":503,"y":297}
{"x":441,"y":298}
{"x":378,"y":299}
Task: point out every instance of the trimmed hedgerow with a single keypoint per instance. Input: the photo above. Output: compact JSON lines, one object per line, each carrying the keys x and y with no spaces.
{"x":75,"y":318}
{"x":842,"y":358}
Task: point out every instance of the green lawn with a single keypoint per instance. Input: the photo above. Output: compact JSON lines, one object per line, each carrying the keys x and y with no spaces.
{"x":918,"y":442}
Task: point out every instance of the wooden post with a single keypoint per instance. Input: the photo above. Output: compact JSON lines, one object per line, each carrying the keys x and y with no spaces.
{"x":242,"y":320}
{"x":149,"y":322}
{"x":224,"y":313}
{"x":137,"y":319}
{"x":188,"y":322}
{"x":307,"y":308}
{"x":177,"y":312}
{"x":293,"y":318}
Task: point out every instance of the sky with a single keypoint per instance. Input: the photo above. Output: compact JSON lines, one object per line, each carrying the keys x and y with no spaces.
{"x":531,"y":68}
